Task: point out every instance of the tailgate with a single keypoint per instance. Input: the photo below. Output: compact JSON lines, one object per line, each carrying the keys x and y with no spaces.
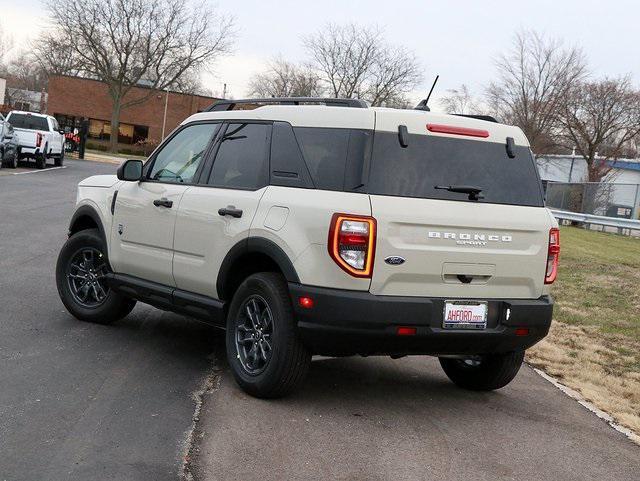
{"x":27,"y":138}
{"x":459,"y":249}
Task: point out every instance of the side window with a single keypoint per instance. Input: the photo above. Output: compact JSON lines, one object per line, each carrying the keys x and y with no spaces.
{"x":242,"y":158}
{"x":179,"y":158}
{"x":335,"y":157}
{"x":287,"y":164}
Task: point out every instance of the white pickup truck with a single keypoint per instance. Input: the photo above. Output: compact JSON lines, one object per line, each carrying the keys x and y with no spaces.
{"x":40,"y":137}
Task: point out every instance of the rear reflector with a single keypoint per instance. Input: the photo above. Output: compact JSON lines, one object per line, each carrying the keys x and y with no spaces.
{"x":553,"y":256}
{"x":406,"y":331}
{"x":351,"y":243}
{"x":305,"y":302}
{"x":522,"y":331}
{"x":453,"y":130}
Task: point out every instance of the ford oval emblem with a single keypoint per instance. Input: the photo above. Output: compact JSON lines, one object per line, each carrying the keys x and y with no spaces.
{"x":394,"y":260}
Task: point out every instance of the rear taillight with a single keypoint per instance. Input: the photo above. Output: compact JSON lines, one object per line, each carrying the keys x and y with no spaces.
{"x":553,"y":255}
{"x":352,"y":240}
{"x":38,"y":139}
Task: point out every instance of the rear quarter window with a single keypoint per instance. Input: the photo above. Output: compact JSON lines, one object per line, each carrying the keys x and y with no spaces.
{"x":430,"y":161}
{"x":334,"y":157}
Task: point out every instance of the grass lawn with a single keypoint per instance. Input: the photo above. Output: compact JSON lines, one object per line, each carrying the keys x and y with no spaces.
{"x":599,"y":281}
{"x":594,"y":343}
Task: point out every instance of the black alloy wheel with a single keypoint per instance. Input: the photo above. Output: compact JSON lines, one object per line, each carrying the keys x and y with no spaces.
{"x":86,"y":277}
{"x":253,"y":334}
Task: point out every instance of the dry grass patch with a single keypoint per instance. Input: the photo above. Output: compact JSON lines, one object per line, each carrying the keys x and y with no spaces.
{"x":605,"y":369}
{"x":594,"y":343}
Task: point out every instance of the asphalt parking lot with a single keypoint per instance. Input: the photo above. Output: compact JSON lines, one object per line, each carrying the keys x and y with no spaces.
{"x":83,"y":402}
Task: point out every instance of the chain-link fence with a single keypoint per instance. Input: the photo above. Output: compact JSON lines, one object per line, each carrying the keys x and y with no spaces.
{"x":608,"y":199}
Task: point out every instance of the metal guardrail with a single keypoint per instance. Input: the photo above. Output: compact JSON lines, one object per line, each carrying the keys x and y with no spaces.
{"x":602,"y":220}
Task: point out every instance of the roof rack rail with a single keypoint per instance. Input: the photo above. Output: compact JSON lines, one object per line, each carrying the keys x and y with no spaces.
{"x":488,"y":118}
{"x":224,"y":104}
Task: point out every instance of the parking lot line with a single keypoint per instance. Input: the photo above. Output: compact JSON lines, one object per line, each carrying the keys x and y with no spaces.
{"x":42,"y":170}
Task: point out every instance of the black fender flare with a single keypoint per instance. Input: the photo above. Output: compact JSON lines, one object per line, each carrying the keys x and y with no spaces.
{"x":259,"y":245}
{"x":88,"y":211}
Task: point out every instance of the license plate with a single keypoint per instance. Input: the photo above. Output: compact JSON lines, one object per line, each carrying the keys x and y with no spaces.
{"x":465,"y":315}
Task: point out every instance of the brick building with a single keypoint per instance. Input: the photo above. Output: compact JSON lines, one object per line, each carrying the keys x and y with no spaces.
{"x":72,"y":98}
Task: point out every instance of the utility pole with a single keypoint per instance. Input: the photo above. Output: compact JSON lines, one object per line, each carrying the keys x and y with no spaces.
{"x":224,"y":91}
{"x":573,"y":159}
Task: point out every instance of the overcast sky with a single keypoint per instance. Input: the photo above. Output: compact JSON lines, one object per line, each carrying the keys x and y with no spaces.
{"x":457,"y":40}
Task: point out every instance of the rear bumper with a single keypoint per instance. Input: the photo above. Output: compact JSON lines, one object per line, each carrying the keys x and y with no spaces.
{"x":345,"y":322}
{"x":29,"y":151}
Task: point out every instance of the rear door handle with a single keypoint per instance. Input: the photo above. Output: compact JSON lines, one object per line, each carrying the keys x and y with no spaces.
{"x":164,"y":202}
{"x":231,"y":210}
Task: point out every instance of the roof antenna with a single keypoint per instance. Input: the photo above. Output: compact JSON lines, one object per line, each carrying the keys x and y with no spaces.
{"x":424,"y":104}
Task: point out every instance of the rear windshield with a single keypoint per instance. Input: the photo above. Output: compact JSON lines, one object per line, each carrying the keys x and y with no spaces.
{"x":29,"y":122}
{"x":430,"y":161}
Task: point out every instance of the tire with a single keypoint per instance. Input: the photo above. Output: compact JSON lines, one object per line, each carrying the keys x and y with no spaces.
{"x":276,"y":371}
{"x":14,"y":161}
{"x":492,"y":371}
{"x":41,"y":161}
{"x":97,"y":308}
{"x":2,"y":161}
{"x":60,"y":159}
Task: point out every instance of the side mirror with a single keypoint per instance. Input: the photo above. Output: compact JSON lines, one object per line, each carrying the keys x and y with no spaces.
{"x":61,"y":131}
{"x":131,"y":170}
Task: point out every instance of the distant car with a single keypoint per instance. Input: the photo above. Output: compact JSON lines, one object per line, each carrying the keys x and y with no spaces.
{"x":40,"y":137}
{"x":8,"y":144}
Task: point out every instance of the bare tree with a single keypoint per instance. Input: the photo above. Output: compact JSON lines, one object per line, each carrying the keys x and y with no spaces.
{"x":285,"y":79}
{"x":55,"y":54}
{"x":355,"y":61}
{"x":533,"y":80}
{"x":601,"y":118}
{"x":127,"y":43}
{"x":460,"y":101}
{"x":395,"y":72}
{"x":191,"y":83}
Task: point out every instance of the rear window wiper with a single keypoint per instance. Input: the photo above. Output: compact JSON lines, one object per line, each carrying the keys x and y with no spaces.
{"x":473,"y":191}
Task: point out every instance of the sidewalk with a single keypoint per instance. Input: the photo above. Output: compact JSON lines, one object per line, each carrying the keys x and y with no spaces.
{"x":96,"y":156}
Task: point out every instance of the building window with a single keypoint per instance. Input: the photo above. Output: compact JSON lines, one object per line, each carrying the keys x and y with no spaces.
{"x":127,"y":133}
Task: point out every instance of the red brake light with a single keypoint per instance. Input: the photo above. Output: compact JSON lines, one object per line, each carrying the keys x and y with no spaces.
{"x":351,"y":245}
{"x":452,"y":129}
{"x":38,"y":139}
{"x":553,"y":256}
{"x":406,"y":331}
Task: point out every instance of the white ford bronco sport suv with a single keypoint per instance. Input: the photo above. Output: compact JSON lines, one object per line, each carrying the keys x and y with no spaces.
{"x":333,"y":229}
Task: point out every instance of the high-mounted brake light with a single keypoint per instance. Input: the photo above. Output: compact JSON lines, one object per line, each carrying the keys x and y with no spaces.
{"x":452,"y":129}
{"x":553,"y":256}
{"x":352,"y":240}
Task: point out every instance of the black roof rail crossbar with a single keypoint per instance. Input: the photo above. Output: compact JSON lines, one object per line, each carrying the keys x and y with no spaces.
{"x":488,"y":118}
{"x":221,"y":105}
